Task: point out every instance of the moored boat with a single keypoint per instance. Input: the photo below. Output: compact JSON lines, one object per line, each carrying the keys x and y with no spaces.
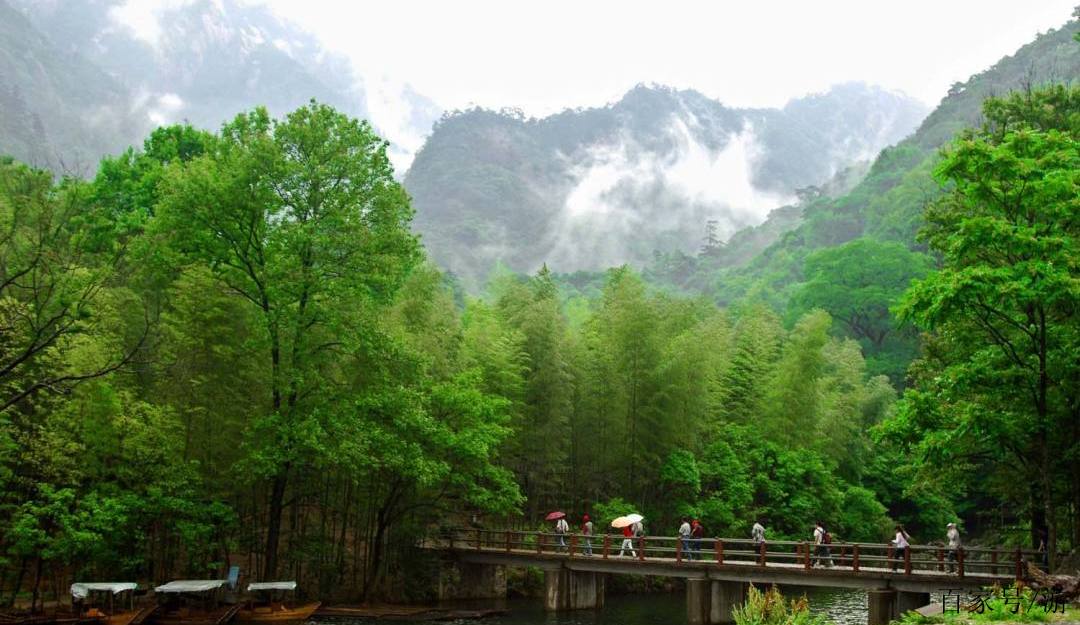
{"x":267,"y":606}
{"x":110,"y":603}
{"x":193,"y":602}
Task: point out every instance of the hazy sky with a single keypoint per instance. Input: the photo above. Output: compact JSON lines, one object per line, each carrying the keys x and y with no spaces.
{"x":545,"y":56}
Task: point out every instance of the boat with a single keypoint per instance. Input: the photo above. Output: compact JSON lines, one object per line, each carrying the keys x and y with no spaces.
{"x":193,"y":602}
{"x":110,"y":603}
{"x":268,"y":606}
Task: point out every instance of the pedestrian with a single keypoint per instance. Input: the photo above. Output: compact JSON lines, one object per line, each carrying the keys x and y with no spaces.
{"x":697,"y":533}
{"x":586,"y":535}
{"x":900,"y":544}
{"x":758,"y":532}
{"x":822,"y":538}
{"x":952,"y":538}
{"x":628,"y":541}
{"x":561,"y":528}
{"x":684,"y":534}
{"x":639,"y":533}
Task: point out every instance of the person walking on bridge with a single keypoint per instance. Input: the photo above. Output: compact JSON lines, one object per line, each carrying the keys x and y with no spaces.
{"x":628,"y":541}
{"x":684,"y":534}
{"x":561,"y":528}
{"x":952,"y":538}
{"x":758,"y":532}
{"x":821,"y":546}
{"x":900,"y":544}
{"x":586,"y":535}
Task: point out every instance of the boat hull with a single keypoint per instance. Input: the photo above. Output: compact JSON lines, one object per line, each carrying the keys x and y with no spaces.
{"x":219,"y":616}
{"x":277,"y":613}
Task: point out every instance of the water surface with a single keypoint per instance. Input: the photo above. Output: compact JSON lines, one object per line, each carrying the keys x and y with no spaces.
{"x":840,"y":606}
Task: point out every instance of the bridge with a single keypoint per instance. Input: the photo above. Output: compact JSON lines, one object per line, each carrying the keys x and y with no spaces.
{"x":717,"y":570}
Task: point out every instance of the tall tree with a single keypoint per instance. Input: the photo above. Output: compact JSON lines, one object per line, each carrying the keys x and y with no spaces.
{"x":1002,"y":381}
{"x":302,"y":219}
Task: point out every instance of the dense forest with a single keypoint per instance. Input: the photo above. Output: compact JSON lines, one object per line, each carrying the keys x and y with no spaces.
{"x":231,"y":348}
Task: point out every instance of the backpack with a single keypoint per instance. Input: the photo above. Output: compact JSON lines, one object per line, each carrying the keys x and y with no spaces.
{"x":827,"y":538}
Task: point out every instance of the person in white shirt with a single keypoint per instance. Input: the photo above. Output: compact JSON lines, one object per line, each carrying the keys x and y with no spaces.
{"x":758,"y":533}
{"x":900,"y":542}
{"x":952,"y":537}
{"x":821,"y":546}
{"x":561,"y":528}
{"x":684,"y":534}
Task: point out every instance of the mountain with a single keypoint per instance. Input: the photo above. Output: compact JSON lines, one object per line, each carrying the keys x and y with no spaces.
{"x":873,"y":224}
{"x":887,"y":203}
{"x":592,"y":188}
{"x":57,"y":109}
{"x":204,"y":61}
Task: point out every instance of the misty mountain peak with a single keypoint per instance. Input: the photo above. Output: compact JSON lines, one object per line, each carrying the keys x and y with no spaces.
{"x":596,"y":187}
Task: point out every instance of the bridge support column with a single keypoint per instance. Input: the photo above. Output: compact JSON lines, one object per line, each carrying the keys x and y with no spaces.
{"x":466,"y":580}
{"x":711,"y":602}
{"x":573,"y":590}
{"x":887,"y":604}
{"x":697,"y":601}
{"x":881,"y":606}
{"x":908,"y":601}
{"x":726,"y":596}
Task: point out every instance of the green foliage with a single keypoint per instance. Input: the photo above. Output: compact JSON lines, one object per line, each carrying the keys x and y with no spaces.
{"x":990,"y":400}
{"x":230,"y":343}
{"x":857,"y":283}
{"x":1020,"y":607}
{"x":770,"y":608}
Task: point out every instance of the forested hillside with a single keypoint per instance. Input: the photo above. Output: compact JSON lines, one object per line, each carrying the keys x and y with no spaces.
{"x":878,"y":219}
{"x":594,"y":188}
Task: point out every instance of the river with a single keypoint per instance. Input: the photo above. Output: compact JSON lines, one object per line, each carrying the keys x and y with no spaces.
{"x":840,"y":606}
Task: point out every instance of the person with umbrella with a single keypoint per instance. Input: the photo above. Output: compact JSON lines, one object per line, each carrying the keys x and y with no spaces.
{"x":625,"y":524}
{"x":561,"y":527}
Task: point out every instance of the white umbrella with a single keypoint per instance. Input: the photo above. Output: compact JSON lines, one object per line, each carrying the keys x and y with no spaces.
{"x":622,"y":522}
{"x":635,"y":518}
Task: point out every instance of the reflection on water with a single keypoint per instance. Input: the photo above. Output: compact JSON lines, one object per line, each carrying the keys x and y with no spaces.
{"x":841,"y":606}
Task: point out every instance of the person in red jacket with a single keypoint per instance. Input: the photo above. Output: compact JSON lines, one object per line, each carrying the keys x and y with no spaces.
{"x":628,"y":542}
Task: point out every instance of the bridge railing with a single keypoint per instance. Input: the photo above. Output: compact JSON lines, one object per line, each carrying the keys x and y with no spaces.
{"x":916,"y":560}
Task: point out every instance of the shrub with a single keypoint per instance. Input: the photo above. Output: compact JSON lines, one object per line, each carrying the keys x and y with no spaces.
{"x":770,"y":608}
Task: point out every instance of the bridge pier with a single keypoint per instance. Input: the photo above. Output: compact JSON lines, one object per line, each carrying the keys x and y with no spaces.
{"x":887,"y":604}
{"x":573,"y":590}
{"x":711,"y":602}
{"x":469,"y":580}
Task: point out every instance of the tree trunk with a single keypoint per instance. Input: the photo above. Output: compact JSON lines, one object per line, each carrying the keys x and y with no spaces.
{"x":273,"y":529}
{"x":37,"y":586}
{"x":18,"y":581}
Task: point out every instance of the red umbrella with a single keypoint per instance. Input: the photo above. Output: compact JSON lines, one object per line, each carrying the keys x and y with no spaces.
{"x":553,"y":516}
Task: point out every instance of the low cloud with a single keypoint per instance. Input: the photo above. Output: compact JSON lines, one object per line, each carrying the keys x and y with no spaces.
{"x":626,"y":200}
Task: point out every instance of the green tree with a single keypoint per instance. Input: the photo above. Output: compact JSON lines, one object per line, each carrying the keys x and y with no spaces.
{"x":857,"y":283}
{"x":302,"y":219}
{"x":999,"y":385}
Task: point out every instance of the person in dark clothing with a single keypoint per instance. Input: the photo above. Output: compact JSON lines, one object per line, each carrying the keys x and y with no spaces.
{"x":697,"y":533}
